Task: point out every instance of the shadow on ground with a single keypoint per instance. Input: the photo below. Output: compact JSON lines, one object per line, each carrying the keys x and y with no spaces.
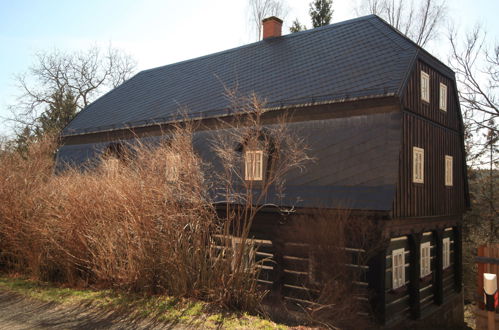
{"x":18,"y":312}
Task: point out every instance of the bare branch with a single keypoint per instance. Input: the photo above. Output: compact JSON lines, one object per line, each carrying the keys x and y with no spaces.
{"x":84,"y":74}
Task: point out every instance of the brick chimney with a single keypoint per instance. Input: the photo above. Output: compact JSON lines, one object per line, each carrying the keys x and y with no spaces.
{"x":272,"y":27}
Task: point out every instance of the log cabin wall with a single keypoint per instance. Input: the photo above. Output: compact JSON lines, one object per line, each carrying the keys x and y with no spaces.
{"x":439,"y":134}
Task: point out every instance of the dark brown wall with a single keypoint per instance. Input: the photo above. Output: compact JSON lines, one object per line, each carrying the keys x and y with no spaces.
{"x":412,"y":97}
{"x":432,"y":197}
{"x":439,"y":133}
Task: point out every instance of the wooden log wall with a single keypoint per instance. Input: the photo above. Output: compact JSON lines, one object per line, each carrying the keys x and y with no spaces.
{"x":397,"y":300}
{"x":427,"y":284}
{"x":449,"y":272}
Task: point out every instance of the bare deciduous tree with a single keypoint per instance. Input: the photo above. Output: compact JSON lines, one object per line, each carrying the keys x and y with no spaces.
{"x":260,"y":9}
{"x":477,"y":72}
{"x":419,"y":22}
{"x":85,"y":74}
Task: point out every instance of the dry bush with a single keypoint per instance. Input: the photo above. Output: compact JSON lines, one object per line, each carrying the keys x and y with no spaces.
{"x":340,"y":246}
{"x":23,"y":177}
{"x":240,"y":199}
{"x":143,"y":220}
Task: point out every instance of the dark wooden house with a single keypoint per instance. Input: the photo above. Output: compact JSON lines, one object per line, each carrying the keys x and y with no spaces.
{"x":382,"y":118}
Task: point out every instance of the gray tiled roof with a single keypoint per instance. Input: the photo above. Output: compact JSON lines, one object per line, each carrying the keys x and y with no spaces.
{"x":363,"y":57}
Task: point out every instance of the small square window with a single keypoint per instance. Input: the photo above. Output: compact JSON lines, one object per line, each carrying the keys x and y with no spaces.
{"x":448,"y":170}
{"x":425,"y":259}
{"x":253,"y":164}
{"x":398,"y":268}
{"x":443,"y":97}
{"x":425,"y":86}
{"x":446,"y":252}
{"x":417,"y":165}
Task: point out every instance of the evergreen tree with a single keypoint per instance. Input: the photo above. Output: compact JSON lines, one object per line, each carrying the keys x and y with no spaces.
{"x":297,"y":27}
{"x":321,"y":12}
{"x":23,"y":140}
{"x":61,"y":110}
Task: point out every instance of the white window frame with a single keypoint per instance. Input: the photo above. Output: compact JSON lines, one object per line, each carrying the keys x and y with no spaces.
{"x":425,"y":259}
{"x":253,"y":165}
{"x":445,"y":252}
{"x":417,"y":165}
{"x":449,"y":161}
{"x":398,"y":268}
{"x":443,"y":97}
{"x":425,"y":86}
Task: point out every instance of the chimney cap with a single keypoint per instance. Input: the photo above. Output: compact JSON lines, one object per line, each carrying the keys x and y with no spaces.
{"x":274,"y":18}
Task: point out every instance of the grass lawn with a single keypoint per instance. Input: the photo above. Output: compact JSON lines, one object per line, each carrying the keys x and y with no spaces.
{"x":162,"y":308}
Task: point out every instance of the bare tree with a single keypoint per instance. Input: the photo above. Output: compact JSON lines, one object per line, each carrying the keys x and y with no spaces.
{"x":84,"y":74}
{"x":420,"y":22}
{"x":260,"y":9}
{"x":477,"y":72}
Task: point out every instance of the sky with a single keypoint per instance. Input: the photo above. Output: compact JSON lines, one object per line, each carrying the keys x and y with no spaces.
{"x":160,"y":32}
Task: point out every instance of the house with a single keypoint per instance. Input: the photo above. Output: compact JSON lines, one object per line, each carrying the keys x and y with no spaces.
{"x":382,"y":118}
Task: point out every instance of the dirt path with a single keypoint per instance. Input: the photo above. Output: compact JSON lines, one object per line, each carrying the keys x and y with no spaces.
{"x":18,"y":312}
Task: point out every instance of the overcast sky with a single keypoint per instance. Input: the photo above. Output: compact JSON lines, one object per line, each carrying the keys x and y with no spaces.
{"x":159,"y":32}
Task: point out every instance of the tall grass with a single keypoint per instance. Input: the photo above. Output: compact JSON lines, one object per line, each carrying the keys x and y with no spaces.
{"x":143,"y":220}
{"x":131,"y":224}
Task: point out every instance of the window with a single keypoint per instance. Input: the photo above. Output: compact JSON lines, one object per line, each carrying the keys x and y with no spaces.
{"x":448,"y":170}
{"x":425,"y":86}
{"x":446,"y":252}
{"x":417,"y":165}
{"x":172,"y":167}
{"x":425,"y":259}
{"x":253,"y":161}
{"x":398,"y":268}
{"x":443,"y":97}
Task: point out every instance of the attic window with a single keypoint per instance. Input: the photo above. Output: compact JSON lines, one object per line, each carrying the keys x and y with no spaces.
{"x":417,"y":165}
{"x":253,"y":165}
{"x":425,"y":86}
{"x":425,"y":259}
{"x":398,"y":268}
{"x":443,"y":97}
{"x":448,"y":170}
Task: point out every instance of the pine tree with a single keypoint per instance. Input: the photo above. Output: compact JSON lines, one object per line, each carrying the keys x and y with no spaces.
{"x":61,"y":110}
{"x":321,"y":12}
{"x":297,"y":27}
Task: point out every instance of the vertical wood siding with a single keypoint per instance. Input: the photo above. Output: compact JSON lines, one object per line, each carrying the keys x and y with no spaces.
{"x":439,"y":134}
{"x":432,"y":197}
{"x":412,"y":97}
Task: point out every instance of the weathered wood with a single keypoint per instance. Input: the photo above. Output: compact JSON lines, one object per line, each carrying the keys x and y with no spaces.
{"x":431,"y":110}
{"x":458,"y":258}
{"x":439,"y":288}
{"x":431,"y":198}
{"x":415,"y":269}
{"x":376,"y":279}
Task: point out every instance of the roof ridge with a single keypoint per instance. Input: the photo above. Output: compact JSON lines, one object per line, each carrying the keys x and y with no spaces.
{"x":419,"y":49}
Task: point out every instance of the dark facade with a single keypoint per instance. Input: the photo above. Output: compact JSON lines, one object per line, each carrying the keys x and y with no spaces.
{"x":353,"y":91}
